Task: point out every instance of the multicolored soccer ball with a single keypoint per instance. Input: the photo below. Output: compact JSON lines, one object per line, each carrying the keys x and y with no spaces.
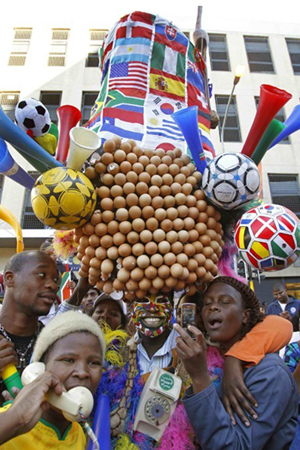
{"x":32,"y":116}
{"x":63,"y":198}
{"x":268,"y":237}
{"x":231,"y":180}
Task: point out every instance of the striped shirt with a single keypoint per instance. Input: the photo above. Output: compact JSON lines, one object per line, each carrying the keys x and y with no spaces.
{"x":161,"y":358}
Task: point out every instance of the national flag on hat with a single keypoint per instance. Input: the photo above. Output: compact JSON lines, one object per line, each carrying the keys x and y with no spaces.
{"x":122,"y":128}
{"x":129,"y":75}
{"x":168,"y":60}
{"x":164,"y":127}
{"x":169,"y":36}
{"x":283,"y":245}
{"x":127,"y":113}
{"x":125,"y":50}
{"x":164,"y":84}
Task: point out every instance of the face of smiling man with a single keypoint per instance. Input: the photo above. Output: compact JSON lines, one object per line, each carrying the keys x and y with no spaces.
{"x":152,"y":315}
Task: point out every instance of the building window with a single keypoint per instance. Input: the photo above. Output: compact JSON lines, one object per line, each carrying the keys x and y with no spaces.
{"x":259,"y":54}
{"x":232,"y":127}
{"x":293,"y":46}
{"x":29,"y":219}
{"x":58,"y":49}
{"x":52,"y":101}
{"x":20,"y":46}
{"x":279,"y":116}
{"x":285,"y":191}
{"x":1,"y":185}
{"x":9,"y":101}
{"x":88,"y":101}
{"x":96,"y":41}
{"x":218,"y":52}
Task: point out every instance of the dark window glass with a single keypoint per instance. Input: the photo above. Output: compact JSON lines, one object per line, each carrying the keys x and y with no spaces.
{"x":88,"y":101}
{"x":259,"y":54}
{"x":218,"y":52}
{"x":232,"y":127}
{"x":285,"y":191}
{"x":294,"y":51}
{"x":52,"y":102}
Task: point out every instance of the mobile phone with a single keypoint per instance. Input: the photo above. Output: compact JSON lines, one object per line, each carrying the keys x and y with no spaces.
{"x":188,"y":315}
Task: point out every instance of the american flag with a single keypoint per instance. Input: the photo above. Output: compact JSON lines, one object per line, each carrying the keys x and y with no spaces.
{"x":131,"y":74}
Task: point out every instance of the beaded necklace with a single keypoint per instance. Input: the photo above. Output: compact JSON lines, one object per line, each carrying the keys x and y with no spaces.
{"x":21,"y":355}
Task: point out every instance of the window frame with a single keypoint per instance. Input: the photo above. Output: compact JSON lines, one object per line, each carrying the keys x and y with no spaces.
{"x":286,"y":190}
{"x":51,"y":106}
{"x":30,"y":215}
{"x":85,"y":107}
{"x":259,"y":52}
{"x":58,"y":58}
{"x":231,"y":113}
{"x":291,"y":41}
{"x":214,"y":61}
{"x":17,"y":57}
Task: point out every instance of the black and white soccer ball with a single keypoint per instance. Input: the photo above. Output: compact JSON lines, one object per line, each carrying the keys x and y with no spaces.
{"x":31,"y":115}
{"x":231,"y":180}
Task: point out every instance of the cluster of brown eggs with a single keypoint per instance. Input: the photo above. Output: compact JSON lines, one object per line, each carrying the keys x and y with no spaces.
{"x":153,"y":229}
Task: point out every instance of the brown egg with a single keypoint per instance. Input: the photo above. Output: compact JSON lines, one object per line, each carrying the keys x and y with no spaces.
{"x":159,"y":235}
{"x":166,"y":160}
{"x":122,"y":214}
{"x":158,"y":283}
{"x":173,"y":169}
{"x":109,"y":146}
{"x":133,"y":237}
{"x":178,"y":224}
{"x":189,"y":250}
{"x":177,"y":248}
{"x":124,"y":250}
{"x":125,"y":167}
{"x":164,"y":247}
{"x":94,"y":240}
{"x":120,"y":179}
{"x":107,"y":216}
{"x":91,"y":173}
{"x":192,"y":265}
{"x":107,"y":179}
{"x":116,"y":191}
{"x":175,"y":188}
{"x":106,"y":241}
{"x":172,"y":236}
{"x":166,"y":225}
{"x":193,"y":235}
{"x":191,"y":166}
{"x":117,"y":285}
{"x":143,"y":261}
{"x":95,"y":263}
{"x":137,"y":151}
{"x":192,"y":278}
{"x":144,"y":160}
{"x":144,"y":177}
{"x":193,"y":213}
{"x":199,"y":194}
{"x":151,"y":248}
{"x":187,"y":189}
{"x":198,"y":246}
{"x":145,"y":200}
{"x":180,"y":199}
{"x":177,"y":152}
{"x":119,"y":238}
{"x":165,"y":190}
{"x":146,"y":236}
{"x":119,"y":202}
{"x":132,"y":177}
{"x":155,"y":160}
{"x":138,"y":168}
{"x":151,"y":169}
{"x":107,"y":204}
{"x":217,"y":215}
{"x":107,"y":266}
{"x":132,"y":158}
{"x":132,"y":199}
{"x":152,"y":224}
{"x":198,"y":176}
{"x":185,"y":171}
{"x":113,"y":168}
{"x":214,"y":245}
{"x":176,"y":270}
{"x":180,"y":178}
{"x":212,"y":234}
{"x":147,"y":212}
{"x":101,"y":253}
{"x":138,"y":225}
{"x":149,"y":152}
{"x":100,"y":229}
{"x":94,"y":273}
{"x":128,"y":188}
{"x":156,"y":180}
{"x":189,"y":223}
{"x":183,"y":236}
{"x":167,"y":179}
{"x":183,"y":211}
{"x":201,"y":271}
{"x":103,"y":192}
{"x":169,"y":259}
{"x":141,"y":188}
{"x":210,"y":211}
{"x":172,"y":213}
{"x":123,"y":275}
{"x":117,"y":140}
{"x":211,"y":223}
{"x":107,"y":158}
{"x":162,"y":169}
{"x":113,"y":227}
{"x":138,"y":249}
{"x":84,"y":240}
{"x":156,"y":260}
{"x":185,"y":274}
{"x":201,"y":228}
{"x":203,"y":217}
{"x":182,"y":259}
{"x":191,"y":201}
{"x":88,"y":229}
{"x":139,"y":293}
{"x":126,"y":147}
{"x":135,"y":212}
{"x":200,"y":258}
{"x":160,"y":152}
{"x":129,"y":262}
{"x":160,"y":214}
{"x":154,"y":191}
{"x":157,"y":202}
{"x":205,"y":240}
{"x":169,"y":201}
{"x":119,"y":156}
{"x":186,"y":159}
{"x":125,"y":227}
{"x":151,"y":272}
{"x":171,"y":282}
{"x":112,"y":253}
{"x":100,"y":167}
{"x":207,"y":252}
{"x":145,"y":284}
{"x":164,"y":271}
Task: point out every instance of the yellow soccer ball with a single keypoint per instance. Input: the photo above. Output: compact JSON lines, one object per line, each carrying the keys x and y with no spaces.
{"x":63,"y":198}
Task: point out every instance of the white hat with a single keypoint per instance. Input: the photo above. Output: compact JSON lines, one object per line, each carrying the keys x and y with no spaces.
{"x":103,"y":296}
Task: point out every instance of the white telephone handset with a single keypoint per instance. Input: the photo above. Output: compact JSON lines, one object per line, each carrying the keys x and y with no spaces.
{"x":70,"y":403}
{"x":157,"y":403}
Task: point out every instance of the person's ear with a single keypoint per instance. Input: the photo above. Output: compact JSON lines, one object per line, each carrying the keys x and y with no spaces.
{"x":246,"y":316}
{"x":9,"y":278}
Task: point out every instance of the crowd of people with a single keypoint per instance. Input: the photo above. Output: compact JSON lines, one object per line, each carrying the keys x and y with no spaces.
{"x":236,"y":392}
